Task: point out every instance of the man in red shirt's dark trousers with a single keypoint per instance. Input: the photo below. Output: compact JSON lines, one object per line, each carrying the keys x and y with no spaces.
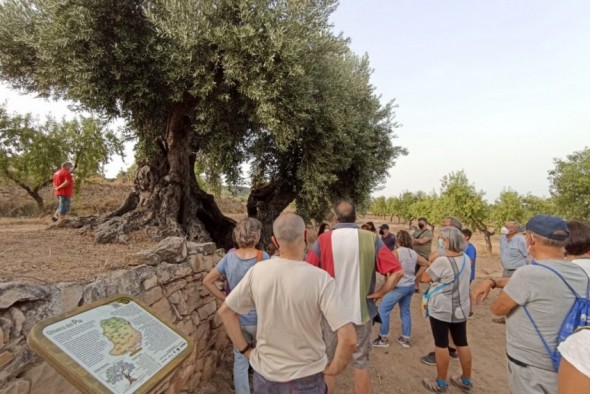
{"x":63,"y":188}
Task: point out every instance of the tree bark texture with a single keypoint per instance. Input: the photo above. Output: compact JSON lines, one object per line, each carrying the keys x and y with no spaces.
{"x":166,"y":199}
{"x":268,"y":201}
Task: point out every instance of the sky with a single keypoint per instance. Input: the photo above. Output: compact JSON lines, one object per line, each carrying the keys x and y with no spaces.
{"x":495,"y":88}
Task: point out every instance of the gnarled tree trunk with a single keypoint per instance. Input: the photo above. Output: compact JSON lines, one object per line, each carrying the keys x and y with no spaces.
{"x":166,"y":199}
{"x":268,"y":201}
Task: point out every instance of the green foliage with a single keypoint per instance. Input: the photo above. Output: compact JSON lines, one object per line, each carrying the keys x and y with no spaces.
{"x":30,"y":150}
{"x":508,"y":207}
{"x":570,"y":185}
{"x":379,"y":206}
{"x":426,"y":205}
{"x":128,"y":175}
{"x":260,"y":81}
{"x":512,"y":206}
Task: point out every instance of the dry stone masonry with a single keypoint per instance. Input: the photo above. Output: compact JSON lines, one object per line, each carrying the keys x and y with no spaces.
{"x":167,"y":278}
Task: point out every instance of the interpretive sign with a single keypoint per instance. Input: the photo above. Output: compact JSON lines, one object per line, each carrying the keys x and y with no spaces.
{"x":114,"y":345}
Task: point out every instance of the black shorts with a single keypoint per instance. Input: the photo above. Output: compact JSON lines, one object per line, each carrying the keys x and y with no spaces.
{"x":440,"y":332}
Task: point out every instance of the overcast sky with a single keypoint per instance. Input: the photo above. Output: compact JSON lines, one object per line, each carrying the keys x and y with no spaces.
{"x":496,"y":88}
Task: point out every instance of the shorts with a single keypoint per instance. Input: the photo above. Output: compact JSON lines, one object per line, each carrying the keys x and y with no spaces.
{"x":63,"y":205}
{"x":530,"y":380}
{"x":360,"y":357}
{"x":313,"y":384}
{"x":441,"y":329}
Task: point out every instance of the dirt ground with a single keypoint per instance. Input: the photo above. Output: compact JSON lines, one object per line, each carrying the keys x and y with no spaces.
{"x":29,"y":250}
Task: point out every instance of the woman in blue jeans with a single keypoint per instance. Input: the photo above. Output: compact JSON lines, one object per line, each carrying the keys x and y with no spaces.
{"x":234,"y":266}
{"x":402,"y":293}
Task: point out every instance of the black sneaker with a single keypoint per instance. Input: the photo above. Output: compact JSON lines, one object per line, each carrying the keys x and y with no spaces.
{"x":429,"y":359}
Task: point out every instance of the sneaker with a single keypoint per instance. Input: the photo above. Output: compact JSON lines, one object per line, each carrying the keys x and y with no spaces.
{"x":432,"y":385}
{"x":380,"y":342}
{"x":429,"y":359}
{"x":454,"y":354}
{"x":458,"y":381}
{"x":53,"y":219}
{"x":405,"y":342}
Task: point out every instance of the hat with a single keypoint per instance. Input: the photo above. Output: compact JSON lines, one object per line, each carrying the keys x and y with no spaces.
{"x":548,"y":226}
{"x":384,"y":227}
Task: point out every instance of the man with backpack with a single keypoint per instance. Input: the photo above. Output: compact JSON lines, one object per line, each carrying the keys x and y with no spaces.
{"x":537,"y":300}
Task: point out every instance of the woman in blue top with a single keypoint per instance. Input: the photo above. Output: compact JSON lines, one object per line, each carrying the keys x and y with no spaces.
{"x":234,"y":266}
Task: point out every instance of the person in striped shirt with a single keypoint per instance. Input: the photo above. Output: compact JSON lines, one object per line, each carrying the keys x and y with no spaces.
{"x":353,"y":256}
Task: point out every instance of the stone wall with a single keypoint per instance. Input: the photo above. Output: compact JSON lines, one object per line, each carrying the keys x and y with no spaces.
{"x":168,"y":278}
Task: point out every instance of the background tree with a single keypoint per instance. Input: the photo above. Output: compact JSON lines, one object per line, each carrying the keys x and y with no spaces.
{"x":424,"y":205}
{"x":228,"y":80}
{"x":30,"y":151}
{"x":508,"y":206}
{"x":570,"y":185}
{"x":379,"y":206}
{"x":460,"y":198}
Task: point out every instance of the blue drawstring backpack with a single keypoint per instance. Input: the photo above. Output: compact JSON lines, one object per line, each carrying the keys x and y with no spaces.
{"x":578,"y":316}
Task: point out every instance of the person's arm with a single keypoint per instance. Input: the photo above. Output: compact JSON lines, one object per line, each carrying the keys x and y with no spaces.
{"x":386,"y":263}
{"x":231,"y":322}
{"x":423,"y":266}
{"x":389,"y":284}
{"x":571,"y":380}
{"x":522,"y":248}
{"x":481,"y":291}
{"x":209,"y":282}
{"x":344,"y":349}
{"x":64,"y":184}
{"x":503,"y":305}
{"x":421,"y":241}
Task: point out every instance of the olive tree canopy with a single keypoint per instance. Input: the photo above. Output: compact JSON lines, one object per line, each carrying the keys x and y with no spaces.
{"x":225,"y":81}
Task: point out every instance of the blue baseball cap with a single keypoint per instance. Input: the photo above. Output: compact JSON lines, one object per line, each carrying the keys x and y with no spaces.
{"x":548,"y":226}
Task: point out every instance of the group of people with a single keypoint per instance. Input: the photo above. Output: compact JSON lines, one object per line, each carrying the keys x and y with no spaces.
{"x":298,"y":326}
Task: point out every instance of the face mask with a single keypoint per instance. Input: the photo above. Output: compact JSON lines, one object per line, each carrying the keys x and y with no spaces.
{"x":440,"y":243}
{"x":420,"y":226}
{"x":504,"y":231}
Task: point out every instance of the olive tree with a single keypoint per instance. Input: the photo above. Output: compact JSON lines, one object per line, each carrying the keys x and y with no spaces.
{"x":226,"y":82}
{"x":31,"y":150}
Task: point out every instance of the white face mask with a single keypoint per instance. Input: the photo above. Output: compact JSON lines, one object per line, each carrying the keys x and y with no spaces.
{"x":504,"y":231}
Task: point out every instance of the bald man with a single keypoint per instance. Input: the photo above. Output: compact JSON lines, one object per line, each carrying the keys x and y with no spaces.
{"x":352,"y":256}
{"x":290,"y":297}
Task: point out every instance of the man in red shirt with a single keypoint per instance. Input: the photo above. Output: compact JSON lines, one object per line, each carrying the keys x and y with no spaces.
{"x":63,"y":188}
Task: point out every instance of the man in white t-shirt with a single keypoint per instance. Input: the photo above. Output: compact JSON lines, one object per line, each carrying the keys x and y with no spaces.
{"x":290,"y":297}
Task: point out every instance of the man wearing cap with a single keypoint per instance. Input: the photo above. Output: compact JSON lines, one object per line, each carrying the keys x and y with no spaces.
{"x":547,"y":299}
{"x":63,"y":188}
{"x":387,"y":237}
{"x":352,"y":256}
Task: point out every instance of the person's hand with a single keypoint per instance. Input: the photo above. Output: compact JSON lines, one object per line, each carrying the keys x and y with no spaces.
{"x":332,"y":369}
{"x":375,"y":296}
{"x":481,"y":291}
{"x":248,"y":353}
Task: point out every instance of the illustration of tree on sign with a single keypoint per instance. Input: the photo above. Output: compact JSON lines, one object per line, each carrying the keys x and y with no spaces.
{"x":119,"y":371}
